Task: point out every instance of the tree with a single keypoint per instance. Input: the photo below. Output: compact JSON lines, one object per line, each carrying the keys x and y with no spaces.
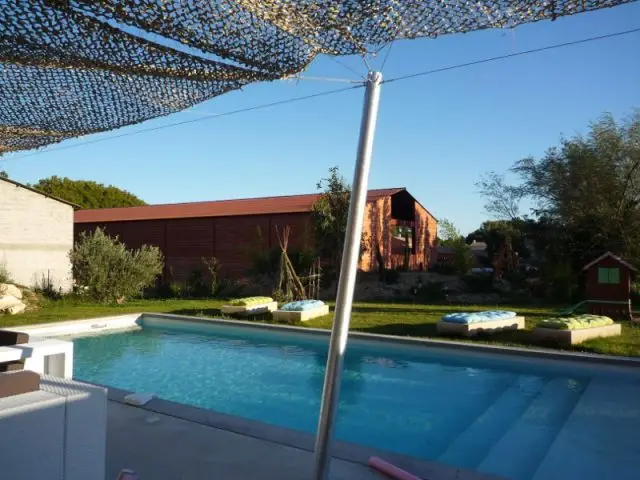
{"x":450,"y":237}
{"x":589,"y":186}
{"x":462,"y":258}
{"x":329,"y":216}
{"x":4,"y":174}
{"x":107,"y":271}
{"x":502,"y":200}
{"x":505,"y":240}
{"x":586,"y":192}
{"x":87,"y":194}
{"x":448,"y":234}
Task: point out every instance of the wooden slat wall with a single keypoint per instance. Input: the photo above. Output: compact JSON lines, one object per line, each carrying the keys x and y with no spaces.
{"x":234,"y":236}
{"x":185,"y":241}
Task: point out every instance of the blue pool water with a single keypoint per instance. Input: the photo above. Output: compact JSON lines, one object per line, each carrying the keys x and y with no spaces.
{"x":517,"y":418}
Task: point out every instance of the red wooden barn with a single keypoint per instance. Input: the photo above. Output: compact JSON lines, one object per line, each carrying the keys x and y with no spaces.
{"x":608,"y":286}
{"x":227,"y":229}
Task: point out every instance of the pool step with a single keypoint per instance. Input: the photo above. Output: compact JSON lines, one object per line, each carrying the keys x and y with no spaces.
{"x":518,"y":453}
{"x":473,"y":445}
{"x":601,"y":437}
{"x":434,"y":424}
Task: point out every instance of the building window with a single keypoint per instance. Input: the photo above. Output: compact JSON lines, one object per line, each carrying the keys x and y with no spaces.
{"x":609,"y":275}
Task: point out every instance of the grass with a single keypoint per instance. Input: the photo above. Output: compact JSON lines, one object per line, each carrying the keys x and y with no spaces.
{"x":402,"y":319}
{"x":72,"y":309}
{"x":420,"y":321}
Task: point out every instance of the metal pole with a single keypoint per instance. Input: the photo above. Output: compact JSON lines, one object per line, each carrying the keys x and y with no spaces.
{"x":346,"y":284}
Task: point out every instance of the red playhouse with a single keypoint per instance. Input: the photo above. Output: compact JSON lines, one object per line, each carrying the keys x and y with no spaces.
{"x":608,"y":286}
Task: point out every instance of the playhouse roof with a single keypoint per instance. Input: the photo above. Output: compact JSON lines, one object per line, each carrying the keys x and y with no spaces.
{"x":611,"y":255}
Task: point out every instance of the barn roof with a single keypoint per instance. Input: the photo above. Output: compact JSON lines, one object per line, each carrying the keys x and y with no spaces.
{"x":610,"y":255}
{"x":218,"y":208}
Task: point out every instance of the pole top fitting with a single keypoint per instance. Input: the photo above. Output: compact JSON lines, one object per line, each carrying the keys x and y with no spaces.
{"x":374,"y":77}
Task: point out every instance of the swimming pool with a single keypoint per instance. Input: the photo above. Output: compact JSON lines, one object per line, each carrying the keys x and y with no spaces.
{"x":519,"y":418}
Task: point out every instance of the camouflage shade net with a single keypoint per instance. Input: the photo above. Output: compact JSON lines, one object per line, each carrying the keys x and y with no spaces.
{"x":74,"y":67}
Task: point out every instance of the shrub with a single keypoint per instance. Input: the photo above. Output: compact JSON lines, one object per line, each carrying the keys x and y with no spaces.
{"x":281,"y":297}
{"x":635,"y":292}
{"x":430,"y":291}
{"x":196,"y":287}
{"x":390,"y":276}
{"x":4,"y":274}
{"x":167,"y":289}
{"x":109,"y":271}
{"x":479,"y":283}
{"x":517,"y":279}
{"x":268,"y":262}
{"x":462,"y":258}
{"x":561,"y":282}
{"x":160,"y":290}
{"x":265,"y":262}
{"x":443,"y":269}
{"x":228,"y":288}
{"x":212,"y":265}
{"x":175,"y":289}
{"x":46,"y":287}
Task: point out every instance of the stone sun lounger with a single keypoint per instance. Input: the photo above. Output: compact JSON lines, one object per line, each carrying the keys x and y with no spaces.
{"x":575,"y":330}
{"x":293,"y":313}
{"x":470,"y":324}
{"x":250,"y":306}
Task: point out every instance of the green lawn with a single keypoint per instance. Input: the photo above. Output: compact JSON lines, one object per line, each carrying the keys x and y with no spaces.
{"x":71,"y":309}
{"x":420,"y":321}
{"x":391,"y":319}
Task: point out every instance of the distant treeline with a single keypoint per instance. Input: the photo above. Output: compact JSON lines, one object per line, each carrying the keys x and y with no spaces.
{"x":87,"y":194}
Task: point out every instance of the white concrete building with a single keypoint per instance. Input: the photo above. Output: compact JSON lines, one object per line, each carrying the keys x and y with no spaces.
{"x":36,"y":236}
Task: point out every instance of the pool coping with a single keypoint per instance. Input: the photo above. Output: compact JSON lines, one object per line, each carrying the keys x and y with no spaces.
{"x":131,"y":320}
{"x":288,"y":437}
{"x":418,"y":341}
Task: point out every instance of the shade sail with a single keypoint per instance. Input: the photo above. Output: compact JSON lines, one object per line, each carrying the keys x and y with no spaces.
{"x":73,"y":67}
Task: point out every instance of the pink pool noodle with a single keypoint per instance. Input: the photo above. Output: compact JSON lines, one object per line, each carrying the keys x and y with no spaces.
{"x":127,"y":474}
{"x":390,"y":470}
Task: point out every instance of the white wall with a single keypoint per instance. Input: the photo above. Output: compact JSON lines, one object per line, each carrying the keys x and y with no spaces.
{"x":36,"y":236}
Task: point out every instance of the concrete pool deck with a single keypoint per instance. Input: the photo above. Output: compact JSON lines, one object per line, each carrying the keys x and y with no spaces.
{"x":206,"y":444}
{"x":160,"y":447}
{"x":163,"y":447}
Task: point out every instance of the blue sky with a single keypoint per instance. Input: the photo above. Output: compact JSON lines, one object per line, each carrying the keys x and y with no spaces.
{"x":436,"y":134}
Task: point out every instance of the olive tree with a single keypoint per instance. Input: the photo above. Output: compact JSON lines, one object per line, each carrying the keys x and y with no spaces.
{"x":108,"y":271}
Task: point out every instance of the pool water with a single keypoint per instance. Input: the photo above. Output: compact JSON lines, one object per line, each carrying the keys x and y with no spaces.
{"x":513,"y":418}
